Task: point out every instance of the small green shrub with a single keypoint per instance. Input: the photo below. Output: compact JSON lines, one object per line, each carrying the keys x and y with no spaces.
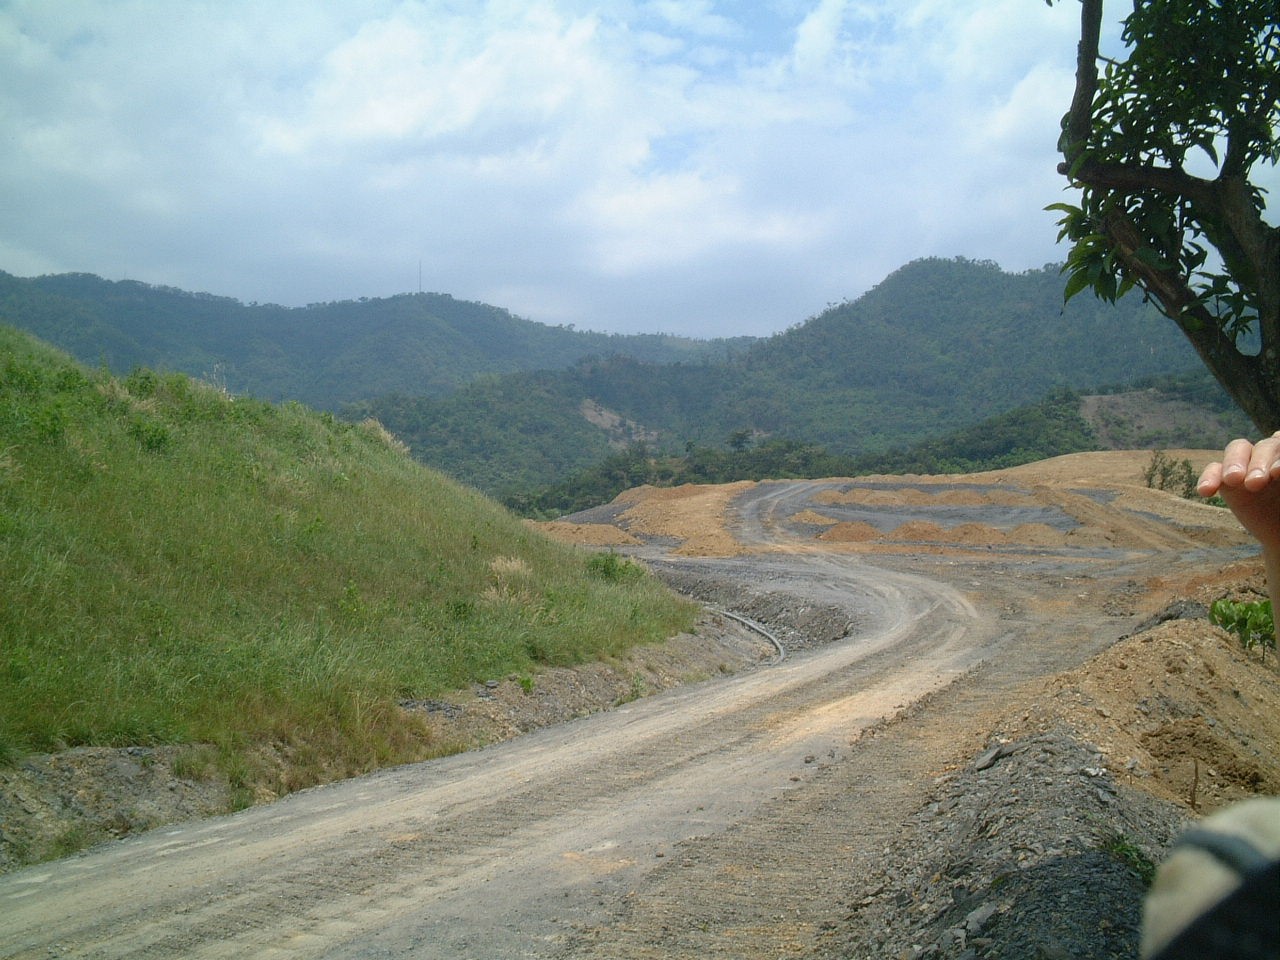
{"x":142,"y":383}
{"x":1252,"y":622}
{"x":1163,"y":473}
{"x":612,"y":568}
{"x":153,"y":435}
{"x":1131,"y":855}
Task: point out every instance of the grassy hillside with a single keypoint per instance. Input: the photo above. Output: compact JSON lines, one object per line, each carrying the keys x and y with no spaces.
{"x":325,"y":354}
{"x":180,"y":566}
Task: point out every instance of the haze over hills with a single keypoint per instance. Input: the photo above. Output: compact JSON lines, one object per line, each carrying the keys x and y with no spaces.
{"x":324,"y":354}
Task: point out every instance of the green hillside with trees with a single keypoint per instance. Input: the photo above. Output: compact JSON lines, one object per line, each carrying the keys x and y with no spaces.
{"x":938,"y":346}
{"x":181,"y":566}
{"x":517,"y":409}
{"x":324,"y":354}
{"x":1189,"y":410}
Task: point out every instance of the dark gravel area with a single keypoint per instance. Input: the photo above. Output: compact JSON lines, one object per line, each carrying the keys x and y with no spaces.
{"x":1031,"y":851}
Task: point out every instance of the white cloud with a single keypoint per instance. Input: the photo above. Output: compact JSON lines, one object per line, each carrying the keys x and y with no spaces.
{"x":718,"y":166}
{"x":818,"y":37}
{"x":695,"y":16}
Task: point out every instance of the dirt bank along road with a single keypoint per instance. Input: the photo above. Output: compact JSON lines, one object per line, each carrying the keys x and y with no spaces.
{"x":733,"y":817}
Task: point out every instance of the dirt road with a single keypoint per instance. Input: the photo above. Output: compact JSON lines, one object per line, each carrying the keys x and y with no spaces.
{"x":713,"y":820}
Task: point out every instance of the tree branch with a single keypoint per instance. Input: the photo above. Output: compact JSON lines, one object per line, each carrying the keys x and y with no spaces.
{"x":1238,"y":373}
{"x":1130,"y":178}
{"x":1079,"y":119}
{"x":1176,"y":297}
{"x":1225,"y":210}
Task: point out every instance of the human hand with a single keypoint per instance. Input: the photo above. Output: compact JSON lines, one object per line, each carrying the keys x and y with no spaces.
{"x":1248,"y":479}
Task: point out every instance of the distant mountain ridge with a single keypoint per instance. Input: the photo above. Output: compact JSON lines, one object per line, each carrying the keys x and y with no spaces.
{"x":937,"y":346}
{"x":503,"y":403}
{"x":323,"y":355}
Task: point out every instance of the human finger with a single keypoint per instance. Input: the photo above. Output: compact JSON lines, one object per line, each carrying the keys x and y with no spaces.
{"x":1210,"y":480}
{"x":1264,"y":463}
{"x":1235,"y":462}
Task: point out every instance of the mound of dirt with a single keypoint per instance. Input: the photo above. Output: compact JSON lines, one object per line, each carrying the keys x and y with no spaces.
{"x":976,"y":534}
{"x":850,"y":533}
{"x":1031,"y":850}
{"x":692,"y":514}
{"x":1180,"y":710}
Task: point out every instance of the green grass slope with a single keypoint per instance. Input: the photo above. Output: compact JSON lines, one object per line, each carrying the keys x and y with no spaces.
{"x":181,"y":566}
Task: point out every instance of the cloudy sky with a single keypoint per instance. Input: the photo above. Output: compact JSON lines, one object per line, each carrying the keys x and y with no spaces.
{"x":708,"y":167}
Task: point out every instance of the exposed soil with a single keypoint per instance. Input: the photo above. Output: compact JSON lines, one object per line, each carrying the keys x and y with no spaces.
{"x":1000,"y":802}
{"x":1098,"y":768}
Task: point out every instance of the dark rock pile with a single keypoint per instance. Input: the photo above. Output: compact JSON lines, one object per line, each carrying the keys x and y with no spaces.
{"x":1031,"y":851}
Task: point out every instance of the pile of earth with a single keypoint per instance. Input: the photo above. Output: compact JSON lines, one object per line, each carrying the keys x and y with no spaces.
{"x":1042,"y":843}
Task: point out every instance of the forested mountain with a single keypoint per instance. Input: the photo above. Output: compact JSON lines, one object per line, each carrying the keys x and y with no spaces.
{"x":937,"y":346}
{"x":1188,"y":410}
{"x":512,"y":406}
{"x":325,"y":354}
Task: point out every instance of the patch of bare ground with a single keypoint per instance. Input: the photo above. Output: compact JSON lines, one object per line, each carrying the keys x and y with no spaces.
{"x":587,"y":534}
{"x":692,"y":515}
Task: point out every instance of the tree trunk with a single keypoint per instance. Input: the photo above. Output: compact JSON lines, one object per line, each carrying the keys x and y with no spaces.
{"x":1249,"y":246}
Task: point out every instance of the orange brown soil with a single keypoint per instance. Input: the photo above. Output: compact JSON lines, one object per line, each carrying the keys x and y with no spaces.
{"x":1180,"y":709}
{"x":695,"y":515}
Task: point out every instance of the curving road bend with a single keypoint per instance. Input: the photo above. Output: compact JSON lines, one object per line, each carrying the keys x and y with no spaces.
{"x":566,"y":842}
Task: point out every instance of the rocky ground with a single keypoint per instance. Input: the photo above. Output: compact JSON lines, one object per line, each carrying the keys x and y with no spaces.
{"x":1042,"y":844}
